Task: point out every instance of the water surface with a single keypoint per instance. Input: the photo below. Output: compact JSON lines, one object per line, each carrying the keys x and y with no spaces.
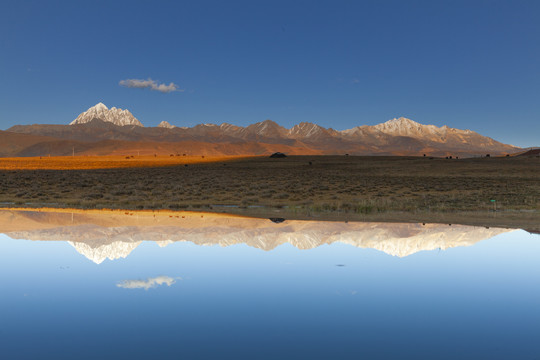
{"x":152,"y":285}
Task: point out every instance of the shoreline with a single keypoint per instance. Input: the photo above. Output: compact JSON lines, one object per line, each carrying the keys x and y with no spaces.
{"x":485,"y":192}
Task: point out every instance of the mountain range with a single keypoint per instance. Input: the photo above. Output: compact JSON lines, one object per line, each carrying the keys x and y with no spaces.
{"x":115,"y":234}
{"x":103,"y":131}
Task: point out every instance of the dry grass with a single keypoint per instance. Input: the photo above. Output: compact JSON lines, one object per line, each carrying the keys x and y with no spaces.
{"x":104,"y":162}
{"x":360,"y":185}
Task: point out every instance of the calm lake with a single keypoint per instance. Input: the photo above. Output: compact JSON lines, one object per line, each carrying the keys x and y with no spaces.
{"x":144,"y":285}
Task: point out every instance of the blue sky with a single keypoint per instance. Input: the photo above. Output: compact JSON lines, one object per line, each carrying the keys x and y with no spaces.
{"x":466,"y":64}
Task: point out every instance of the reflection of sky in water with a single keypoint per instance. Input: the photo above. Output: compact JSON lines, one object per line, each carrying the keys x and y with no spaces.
{"x":476,"y":302}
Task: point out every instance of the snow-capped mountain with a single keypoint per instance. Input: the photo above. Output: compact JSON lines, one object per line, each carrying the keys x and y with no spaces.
{"x":407,"y":127}
{"x":166,"y":124}
{"x":400,"y":136}
{"x":113,"y":115}
{"x":307,"y":130}
{"x":267,"y":129}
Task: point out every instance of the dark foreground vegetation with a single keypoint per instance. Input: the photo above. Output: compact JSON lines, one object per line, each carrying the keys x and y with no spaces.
{"x":305,"y":184}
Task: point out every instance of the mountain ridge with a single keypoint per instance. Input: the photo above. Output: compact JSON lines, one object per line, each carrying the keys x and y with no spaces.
{"x":398,"y":136}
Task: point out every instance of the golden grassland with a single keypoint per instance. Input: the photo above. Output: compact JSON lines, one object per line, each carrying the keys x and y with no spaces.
{"x":104,"y":162}
{"x":297,"y":186}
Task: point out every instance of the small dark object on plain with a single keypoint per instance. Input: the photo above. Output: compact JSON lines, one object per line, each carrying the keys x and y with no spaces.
{"x":185,"y":165}
{"x":277,"y":220}
{"x":278,"y":155}
{"x":487,"y":155}
{"x":310,"y":163}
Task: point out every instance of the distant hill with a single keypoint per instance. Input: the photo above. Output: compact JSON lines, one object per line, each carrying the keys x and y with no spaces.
{"x":529,"y":152}
{"x":102,"y":131}
{"x":14,"y":143}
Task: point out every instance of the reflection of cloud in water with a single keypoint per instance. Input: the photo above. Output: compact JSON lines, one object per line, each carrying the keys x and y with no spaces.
{"x":148,"y":283}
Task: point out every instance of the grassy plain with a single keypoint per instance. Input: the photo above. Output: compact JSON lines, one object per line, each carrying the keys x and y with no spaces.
{"x":104,"y":162}
{"x":299,"y":186}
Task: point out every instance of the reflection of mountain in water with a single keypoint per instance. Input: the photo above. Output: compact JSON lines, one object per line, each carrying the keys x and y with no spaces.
{"x":116,"y":250}
{"x":114,"y":234}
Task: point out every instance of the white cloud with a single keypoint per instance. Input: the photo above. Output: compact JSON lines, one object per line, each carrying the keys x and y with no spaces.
{"x":150,"y":283}
{"x":150,"y":84}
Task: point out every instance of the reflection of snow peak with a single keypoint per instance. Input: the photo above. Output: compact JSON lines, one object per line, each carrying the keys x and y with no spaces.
{"x":442,"y":237}
{"x":113,"y":235}
{"x":394,"y":239}
{"x":113,"y":251}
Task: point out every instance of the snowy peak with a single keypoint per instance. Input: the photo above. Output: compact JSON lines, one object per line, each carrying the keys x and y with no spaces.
{"x":400,"y":126}
{"x":305,"y":130}
{"x":99,"y":111}
{"x":166,"y":124}
{"x":267,"y":128}
{"x":402,"y":122}
{"x":99,"y":106}
{"x":407,"y":127}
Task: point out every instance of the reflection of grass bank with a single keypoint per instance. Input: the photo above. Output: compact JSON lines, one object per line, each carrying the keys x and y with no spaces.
{"x":305,"y":184}
{"x":529,"y":220}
